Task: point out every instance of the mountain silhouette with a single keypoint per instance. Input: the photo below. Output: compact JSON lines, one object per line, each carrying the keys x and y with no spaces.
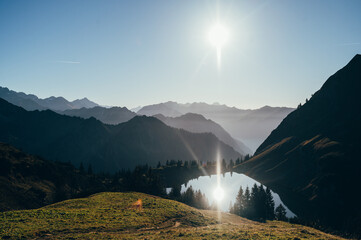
{"x":174,"y":109}
{"x":83,"y":103}
{"x":26,"y":101}
{"x":251,"y":127}
{"x":31,"y":102}
{"x":113,"y":115}
{"x":167,"y":109}
{"x":193,"y":122}
{"x":109,"y":148}
{"x":312,"y":159}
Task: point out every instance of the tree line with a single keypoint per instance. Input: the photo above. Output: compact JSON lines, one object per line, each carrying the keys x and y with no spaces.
{"x":225,"y":165}
{"x":187,"y":170}
{"x":144,"y":179}
{"x":190,"y":197}
{"x":257,"y":204}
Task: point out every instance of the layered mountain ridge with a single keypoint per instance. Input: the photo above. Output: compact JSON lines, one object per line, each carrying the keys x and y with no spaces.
{"x":112,"y":115}
{"x":251,"y":127}
{"x":197,"y":123}
{"x":108,"y":148}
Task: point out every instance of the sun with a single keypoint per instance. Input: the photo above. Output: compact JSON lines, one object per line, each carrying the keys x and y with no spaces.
{"x":218,"y":35}
{"x":218,"y":194}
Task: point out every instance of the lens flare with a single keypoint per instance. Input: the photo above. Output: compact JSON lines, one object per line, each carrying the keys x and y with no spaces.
{"x":218,"y":194}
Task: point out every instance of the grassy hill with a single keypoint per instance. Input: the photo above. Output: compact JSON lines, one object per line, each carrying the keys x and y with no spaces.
{"x":113,"y":216}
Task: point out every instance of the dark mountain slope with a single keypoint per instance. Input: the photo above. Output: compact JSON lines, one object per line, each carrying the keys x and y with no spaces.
{"x":28,"y":181}
{"x":196,"y":123}
{"x":113,"y":115}
{"x":312,"y":158}
{"x":108,"y":148}
{"x":147,"y":139}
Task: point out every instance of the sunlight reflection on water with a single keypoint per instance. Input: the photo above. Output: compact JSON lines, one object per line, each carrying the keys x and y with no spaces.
{"x":230,"y":185}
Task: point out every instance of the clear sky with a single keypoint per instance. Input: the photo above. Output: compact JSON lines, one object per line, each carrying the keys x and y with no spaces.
{"x":130,"y":53}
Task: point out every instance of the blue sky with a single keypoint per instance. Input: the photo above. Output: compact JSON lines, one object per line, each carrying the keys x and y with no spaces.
{"x":131,"y":53}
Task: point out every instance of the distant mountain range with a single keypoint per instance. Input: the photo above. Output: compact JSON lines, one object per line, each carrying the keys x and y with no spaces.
{"x":174,"y":109}
{"x":250,"y":126}
{"x":31,"y":102}
{"x":312,"y":159}
{"x":193,"y":122}
{"x":109,"y":148}
{"x":113,"y":115}
{"x":136,"y":109}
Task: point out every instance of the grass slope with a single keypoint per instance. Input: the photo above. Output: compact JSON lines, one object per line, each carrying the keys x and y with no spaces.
{"x":111,"y":216}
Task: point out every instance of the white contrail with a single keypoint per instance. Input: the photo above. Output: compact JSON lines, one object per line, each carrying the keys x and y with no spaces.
{"x":68,"y":62}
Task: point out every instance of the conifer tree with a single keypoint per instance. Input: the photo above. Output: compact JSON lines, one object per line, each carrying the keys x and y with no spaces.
{"x":257,"y":204}
{"x":270,"y":205}
{"x":175,"y":192}
{"x":247,"y":203}
{"x":280,"y":213}
{"x":262,"y":203}
{"x":239,"y":204}
{"x":188,"y":196}
{"x":155,"y":186}
{"x":205,"y":203}
{"x":254,"y":203}
{"x":198,"y":198}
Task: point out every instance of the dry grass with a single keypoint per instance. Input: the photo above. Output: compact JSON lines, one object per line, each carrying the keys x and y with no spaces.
{"x":111,"y":216}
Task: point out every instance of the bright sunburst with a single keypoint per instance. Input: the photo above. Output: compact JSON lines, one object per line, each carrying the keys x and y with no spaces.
{"x":218,"y":36}
{"x":218,"y":194}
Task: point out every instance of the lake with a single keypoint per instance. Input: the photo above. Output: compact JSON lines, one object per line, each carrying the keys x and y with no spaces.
{"x":230,"y":183}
